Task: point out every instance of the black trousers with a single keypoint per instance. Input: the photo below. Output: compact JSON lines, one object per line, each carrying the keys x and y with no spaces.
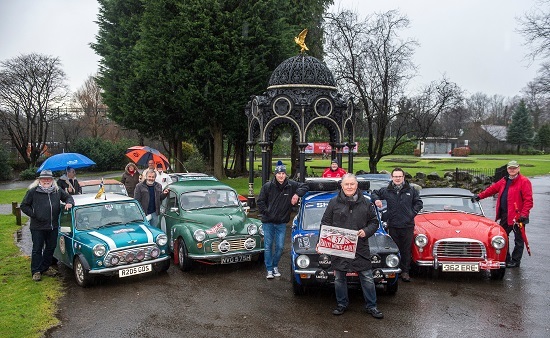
{"x":403,"y":237}
{"x":517,"y":253}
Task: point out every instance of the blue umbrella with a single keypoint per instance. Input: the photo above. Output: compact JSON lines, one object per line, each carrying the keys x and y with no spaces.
{"x":64,"y":160}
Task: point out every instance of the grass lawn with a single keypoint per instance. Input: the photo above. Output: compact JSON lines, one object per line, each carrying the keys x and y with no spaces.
{"x":28,"y":307}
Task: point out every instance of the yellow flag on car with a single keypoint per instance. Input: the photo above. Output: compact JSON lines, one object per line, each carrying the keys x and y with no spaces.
{"x":101,"y":190}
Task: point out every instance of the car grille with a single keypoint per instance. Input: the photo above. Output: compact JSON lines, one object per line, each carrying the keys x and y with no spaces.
{"x":235,"y":244}
{"x":124,"y":252}
{"x":459,"y":248}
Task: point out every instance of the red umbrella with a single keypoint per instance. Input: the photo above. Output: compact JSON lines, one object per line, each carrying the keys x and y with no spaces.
{"x":140,"y":155}
{"x":522,"y":230}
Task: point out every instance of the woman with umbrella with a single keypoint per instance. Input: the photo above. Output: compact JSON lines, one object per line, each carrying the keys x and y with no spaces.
{"x":69,"y":183}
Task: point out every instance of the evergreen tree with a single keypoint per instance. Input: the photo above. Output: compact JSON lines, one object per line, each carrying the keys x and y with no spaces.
{"x":520,"y":132}
{"x":542,"y":140}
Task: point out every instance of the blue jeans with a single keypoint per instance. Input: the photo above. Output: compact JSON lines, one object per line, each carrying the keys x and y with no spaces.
{"x":274,"y":235}
{"x":367,"y":286}
{"x":43,"y":246}
{"x":154,"y":219}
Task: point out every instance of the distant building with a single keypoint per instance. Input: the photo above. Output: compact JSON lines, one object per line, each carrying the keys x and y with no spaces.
{"x":485,"y":139}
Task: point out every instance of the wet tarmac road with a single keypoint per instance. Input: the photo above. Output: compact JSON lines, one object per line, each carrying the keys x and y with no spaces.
{"x":237,"y":301}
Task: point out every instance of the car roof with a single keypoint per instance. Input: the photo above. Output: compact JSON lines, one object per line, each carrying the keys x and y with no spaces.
{"x":89,"y":199}
{"x":445,"y":192}
{"x":109,"y":181}
{"x":377,"y":177}
{"x":193,"y":185}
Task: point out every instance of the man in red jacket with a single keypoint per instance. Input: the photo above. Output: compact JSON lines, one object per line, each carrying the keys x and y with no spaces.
{"x":514,"y":191}
{"x":334,"y":170}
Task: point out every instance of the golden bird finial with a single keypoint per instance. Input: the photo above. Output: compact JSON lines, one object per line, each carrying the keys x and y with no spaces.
{"x":301,"y":40}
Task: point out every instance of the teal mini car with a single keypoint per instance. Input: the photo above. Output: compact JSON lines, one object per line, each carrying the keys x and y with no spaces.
{"x":205,"y":222}
{"x":109,"y":236}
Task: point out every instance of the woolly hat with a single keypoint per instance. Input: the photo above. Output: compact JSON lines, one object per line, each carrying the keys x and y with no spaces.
{"x":280,"y":167}
{"x":334,"y":161}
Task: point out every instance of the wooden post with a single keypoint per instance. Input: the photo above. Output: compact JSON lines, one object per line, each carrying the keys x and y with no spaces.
{"x":13,"y":207}
{"x":18,"y":215}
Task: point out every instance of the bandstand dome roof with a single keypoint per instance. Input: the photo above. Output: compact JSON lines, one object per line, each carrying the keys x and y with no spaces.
{"x":302,"y":71}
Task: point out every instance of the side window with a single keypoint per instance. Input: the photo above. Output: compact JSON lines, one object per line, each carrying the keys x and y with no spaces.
{"x":172,"y":200}
{"x":65,"y":219}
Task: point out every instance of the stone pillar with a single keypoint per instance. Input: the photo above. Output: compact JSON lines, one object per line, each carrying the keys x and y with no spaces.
{"x":266,"y":165}
{"x":351,"y":146}
{"x":302,"y":162}
{"x":251,"y":197}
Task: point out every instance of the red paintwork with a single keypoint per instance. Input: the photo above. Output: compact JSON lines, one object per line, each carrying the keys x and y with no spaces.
{"x":441,"y":225}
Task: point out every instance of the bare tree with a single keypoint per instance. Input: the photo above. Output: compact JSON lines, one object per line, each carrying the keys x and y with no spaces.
{"x":372,"y":63}
{"x":478,"y":104}
{"x":535,"y":27}
{"x":31,"y":88}
{"x":88,"y":98}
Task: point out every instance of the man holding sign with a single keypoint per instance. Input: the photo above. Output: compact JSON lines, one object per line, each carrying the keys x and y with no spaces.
{"x":351,"y":210}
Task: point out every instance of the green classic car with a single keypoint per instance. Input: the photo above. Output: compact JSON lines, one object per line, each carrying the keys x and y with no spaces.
{"x":109,"y":236}
{"x":205,"y":222}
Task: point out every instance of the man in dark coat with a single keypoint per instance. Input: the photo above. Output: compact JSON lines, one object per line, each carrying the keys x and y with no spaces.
{"x":149,"y":194}
{"x":42,"y":204}
{"x":403,"y":202}
{"x":275,"y":203}
{"x":351,"y":210}
{"x":69,"y":183}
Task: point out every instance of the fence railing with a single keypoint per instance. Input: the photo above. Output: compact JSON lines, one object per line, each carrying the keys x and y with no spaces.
{"x":469,"y":178}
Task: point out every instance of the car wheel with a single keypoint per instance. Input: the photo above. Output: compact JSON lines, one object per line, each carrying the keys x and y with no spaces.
{"x":81,"y":274}
{"x":161,"y":266}
{"x":184,"y":262}
{"x":391,"y":289}
{"x":260,"y":259}
{"x":298,"y":289}
{"x":498,"y":274}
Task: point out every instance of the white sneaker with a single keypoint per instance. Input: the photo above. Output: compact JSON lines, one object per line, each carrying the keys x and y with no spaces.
{"x":269,"y":275}
{"x":276,"y":272}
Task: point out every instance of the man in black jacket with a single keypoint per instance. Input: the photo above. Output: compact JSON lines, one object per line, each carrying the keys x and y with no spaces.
{"x":42,"y":204}
{"x":403,"y":203}
{"x":351,"y":210}
{"x":69,"y":183}
{"x":275,"y":203}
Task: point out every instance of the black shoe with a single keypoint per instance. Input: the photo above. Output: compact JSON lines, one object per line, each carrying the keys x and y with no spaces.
{"x":373,"y":311}
{"x":339,"y":310}
{"x":405,"y":277}
{"x":512,"y":265}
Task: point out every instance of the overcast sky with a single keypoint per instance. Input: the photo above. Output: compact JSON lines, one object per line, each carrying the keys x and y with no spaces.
{"x":472,"y":42}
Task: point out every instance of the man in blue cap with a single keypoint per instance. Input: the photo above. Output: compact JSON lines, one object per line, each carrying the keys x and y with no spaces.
{"x":275,"y":203}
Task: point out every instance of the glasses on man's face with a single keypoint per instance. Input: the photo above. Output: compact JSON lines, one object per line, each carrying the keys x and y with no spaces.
{"x":397,"y":176}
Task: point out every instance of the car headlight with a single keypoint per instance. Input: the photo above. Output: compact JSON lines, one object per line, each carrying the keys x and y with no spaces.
{"x":421,"y":241}
{"x":162,"y":239}
{"x":261,"y":230}
{"x":99,"y":250}
{"x":252,"y":229}
{"x":498,"y":242}
{"x":199,"y":235}
{"x":221,"y":232}
{"x":302,"y":261}
{"x":392,"y":260}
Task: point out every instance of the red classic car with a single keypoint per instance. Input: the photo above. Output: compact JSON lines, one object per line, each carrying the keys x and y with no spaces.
{"x":451,"y":234}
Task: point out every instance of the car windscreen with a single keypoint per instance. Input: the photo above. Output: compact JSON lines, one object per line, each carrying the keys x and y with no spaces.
{"x":206,"y":199}
{"x":450,"y":203}
{"x":313,"y":212}
{"x":104,"y":215}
